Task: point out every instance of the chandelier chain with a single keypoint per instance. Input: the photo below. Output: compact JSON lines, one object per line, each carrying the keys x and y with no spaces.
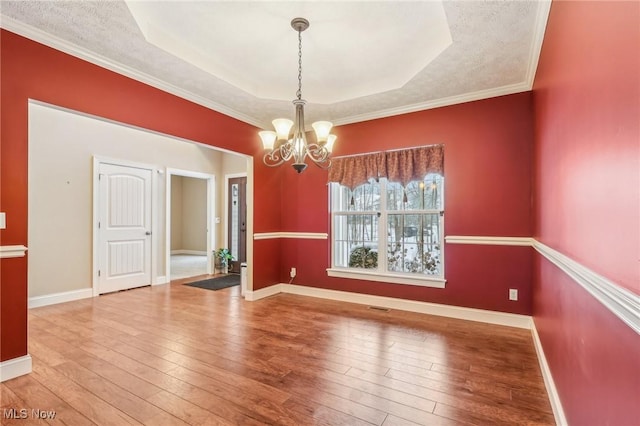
{"x":289,"y":141}
{"x":299,"y":92}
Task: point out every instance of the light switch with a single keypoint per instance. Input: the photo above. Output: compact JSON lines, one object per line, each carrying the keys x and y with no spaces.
{"x":217,"y":219}
{"x":3,"y":220}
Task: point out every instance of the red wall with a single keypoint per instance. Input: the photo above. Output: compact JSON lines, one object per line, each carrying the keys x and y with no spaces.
{"x":31,"y":70}
{"x":587,"y":203}
{"x":488,"y":151}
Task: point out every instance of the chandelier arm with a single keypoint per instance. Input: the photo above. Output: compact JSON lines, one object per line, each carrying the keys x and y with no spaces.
{"x":272,"y":159}
{"x":279,"y":155}
{"x":286,"y":150}
{"x":324,"y":165}
{"x":317,"y":153}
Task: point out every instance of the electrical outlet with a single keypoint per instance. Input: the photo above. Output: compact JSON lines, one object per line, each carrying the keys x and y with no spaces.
{"x":292,"y":274}
{"x":513,"y":294}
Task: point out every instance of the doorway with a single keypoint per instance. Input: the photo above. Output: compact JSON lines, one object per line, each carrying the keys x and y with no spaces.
{"x":190,"y":226}
{"x":237,"y":220}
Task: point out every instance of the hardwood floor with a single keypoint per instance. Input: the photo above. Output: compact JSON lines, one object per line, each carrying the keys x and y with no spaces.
{"x":181,"y":355}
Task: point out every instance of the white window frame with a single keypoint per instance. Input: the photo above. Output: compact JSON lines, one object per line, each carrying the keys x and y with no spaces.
{"x":381,"y":274}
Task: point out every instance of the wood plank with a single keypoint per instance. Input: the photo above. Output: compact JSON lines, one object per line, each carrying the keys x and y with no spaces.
{"x":116,"y":396}
{"x":82,"y":400}
{"x":180,"y":355}
{"x":29,"y":389}
{"x":359,"y":387}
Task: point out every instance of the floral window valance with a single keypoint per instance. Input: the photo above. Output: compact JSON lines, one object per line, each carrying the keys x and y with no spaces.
{"x":401,"y":166}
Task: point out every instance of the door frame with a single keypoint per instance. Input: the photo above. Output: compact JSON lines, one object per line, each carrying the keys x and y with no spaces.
{"x":211,"y":208}
{"x":97,"y":161}
{"x":227,"y":177}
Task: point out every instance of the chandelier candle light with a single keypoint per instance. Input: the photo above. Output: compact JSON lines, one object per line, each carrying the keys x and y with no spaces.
{"x":284,"y":144}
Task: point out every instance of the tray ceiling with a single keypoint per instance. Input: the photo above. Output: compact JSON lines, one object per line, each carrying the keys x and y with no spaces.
{"x":361,"y":60}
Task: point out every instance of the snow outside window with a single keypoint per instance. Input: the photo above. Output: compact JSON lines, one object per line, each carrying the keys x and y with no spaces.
{"x":382,"y":231}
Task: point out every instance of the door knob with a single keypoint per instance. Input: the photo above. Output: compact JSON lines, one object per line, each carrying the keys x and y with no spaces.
{"x":147,"y":233}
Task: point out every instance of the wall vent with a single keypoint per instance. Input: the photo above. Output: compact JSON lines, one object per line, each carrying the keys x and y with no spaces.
{"x":378,"y":308}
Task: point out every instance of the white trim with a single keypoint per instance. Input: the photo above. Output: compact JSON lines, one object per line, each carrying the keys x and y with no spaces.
{"x":192,"y":252}
{"x":540,"y":26}
{"x":458,"y":312}
{"x":99,"y":160}
{"x":437,"y":103}
{"x":57,"y":43}
{"x":142,"y":129}
{"x":12,"y":251}
{"x":12,"y":368}
{"x":250,"y":216}
{"x":542,"y":15}
{"x":363,"y":274}
{"x":211,"y":208}
{"x":82,"y":53}
{"x":160,"y":279}
{"x":552,"y":391}
{"x":494,"y":241}
{"x":225,"y":214}
{"x":66,"y":296}
{"x":252,"y":296}
{"x":620,"y":301}
{"x":298,"y":235}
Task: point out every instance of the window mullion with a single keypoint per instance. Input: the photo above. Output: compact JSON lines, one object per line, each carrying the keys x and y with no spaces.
{"x":382,"y":228}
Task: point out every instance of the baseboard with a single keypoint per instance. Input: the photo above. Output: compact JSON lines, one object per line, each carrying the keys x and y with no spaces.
{"x":160,"y":280}
{"x":471,"y":314}
{"x":252,"y":296}
{"x":192,"y":252}
{"x":67,"y":296}
{"x":554,"y":397}
{"x":12,"y":368}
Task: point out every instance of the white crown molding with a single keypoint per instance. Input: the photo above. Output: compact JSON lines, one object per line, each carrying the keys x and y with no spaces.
{"x":55,"y":298}
{"x":620,"y":301}
{"x":494,"y":241}
{"x":542,"y":15}
{"x":540,"y":27}
{"x":437,"y":103}
{"x":296,"y":235}
{"x":57,"y":43}
{"x":12,"y":368}
{"x":552,"y":391}
{"x":12,"y":251}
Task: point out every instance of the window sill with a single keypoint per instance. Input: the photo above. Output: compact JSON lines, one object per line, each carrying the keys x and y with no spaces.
{"x":386,"y":278}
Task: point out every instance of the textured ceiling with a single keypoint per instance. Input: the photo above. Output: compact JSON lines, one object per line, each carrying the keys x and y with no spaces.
{"x":361,"y":60}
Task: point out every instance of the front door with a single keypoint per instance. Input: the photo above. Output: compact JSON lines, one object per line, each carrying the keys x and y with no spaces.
{"x":124,"y":227}
{"x":237,"y":226}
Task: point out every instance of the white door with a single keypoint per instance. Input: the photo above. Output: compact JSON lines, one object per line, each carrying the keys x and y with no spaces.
{"x":124,"y":228}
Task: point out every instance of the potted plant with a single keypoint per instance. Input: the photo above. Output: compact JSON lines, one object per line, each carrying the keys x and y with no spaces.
{"x":222,"y":256}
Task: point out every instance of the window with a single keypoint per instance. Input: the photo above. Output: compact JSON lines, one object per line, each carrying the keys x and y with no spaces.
{"x":383,"y":231}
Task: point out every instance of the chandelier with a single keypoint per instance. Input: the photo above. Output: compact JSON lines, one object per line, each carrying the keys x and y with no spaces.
{"x":289,"y":139}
